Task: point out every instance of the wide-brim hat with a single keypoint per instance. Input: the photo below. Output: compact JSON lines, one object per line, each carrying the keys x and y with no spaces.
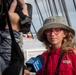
{"x":54,"y":22}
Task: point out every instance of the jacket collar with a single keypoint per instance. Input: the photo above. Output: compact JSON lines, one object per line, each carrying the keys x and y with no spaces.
{"x":55,"y":51}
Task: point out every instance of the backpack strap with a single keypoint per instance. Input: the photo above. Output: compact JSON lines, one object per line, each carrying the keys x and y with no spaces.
{"x":60,"y":58}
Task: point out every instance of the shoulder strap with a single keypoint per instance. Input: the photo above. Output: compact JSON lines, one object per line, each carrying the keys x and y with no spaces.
{"x":57,"y":69}
{"x":45,"y":70}
{"x":60,"y":58}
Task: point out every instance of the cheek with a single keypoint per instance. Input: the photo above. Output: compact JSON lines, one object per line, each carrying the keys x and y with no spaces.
{"x":61,"y":36}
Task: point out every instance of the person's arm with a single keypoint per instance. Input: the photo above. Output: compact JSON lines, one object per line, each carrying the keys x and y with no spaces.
{"x":14,"y":17}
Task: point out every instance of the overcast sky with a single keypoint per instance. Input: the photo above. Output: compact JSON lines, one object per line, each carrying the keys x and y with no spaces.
{"x":37,"y":24}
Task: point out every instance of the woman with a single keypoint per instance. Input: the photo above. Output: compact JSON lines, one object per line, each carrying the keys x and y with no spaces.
{"x":5,"y":44}
{"x":58,"y":38}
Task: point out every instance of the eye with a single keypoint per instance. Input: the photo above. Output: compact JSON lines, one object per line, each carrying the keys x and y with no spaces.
{"x":57,"y":30}
{"x":48,"y":30}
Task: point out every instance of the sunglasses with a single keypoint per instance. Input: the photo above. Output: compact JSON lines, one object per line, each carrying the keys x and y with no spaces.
{"x":55,"y":30}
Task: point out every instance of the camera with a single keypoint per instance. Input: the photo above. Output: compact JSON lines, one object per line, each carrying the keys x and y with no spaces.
{"x":25,"y":21}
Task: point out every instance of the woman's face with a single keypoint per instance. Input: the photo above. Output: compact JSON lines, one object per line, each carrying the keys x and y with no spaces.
{"x":55,"y":36}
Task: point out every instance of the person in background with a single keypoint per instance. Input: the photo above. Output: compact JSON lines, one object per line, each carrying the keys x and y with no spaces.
{"x":5,"y":43}
{"x":28,"y":35}
{"x":60,"y":54}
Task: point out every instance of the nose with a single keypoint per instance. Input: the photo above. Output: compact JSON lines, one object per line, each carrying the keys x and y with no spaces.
{"x":52,"y":32}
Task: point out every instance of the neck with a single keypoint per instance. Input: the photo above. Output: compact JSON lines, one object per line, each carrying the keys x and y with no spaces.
{"x":56,"y":46}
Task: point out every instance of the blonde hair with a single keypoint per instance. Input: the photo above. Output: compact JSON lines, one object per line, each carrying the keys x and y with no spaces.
{"x":68,"y":43}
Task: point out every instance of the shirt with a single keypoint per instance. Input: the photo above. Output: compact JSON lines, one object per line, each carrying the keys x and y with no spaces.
{"x":67,"y":65}
{"x":5,"y":47}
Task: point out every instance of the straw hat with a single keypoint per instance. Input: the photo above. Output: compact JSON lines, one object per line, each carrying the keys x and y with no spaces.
{"x":54,"y":22}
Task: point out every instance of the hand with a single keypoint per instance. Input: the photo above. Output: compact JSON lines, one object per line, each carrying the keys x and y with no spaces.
{"x":26,"y":72}
{"x":14,"y":17}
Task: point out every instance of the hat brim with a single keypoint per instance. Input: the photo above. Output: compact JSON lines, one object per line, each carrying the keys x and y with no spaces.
{"x":53,"y":25}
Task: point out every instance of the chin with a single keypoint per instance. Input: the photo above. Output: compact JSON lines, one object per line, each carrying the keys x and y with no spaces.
{"x":53,"y":43}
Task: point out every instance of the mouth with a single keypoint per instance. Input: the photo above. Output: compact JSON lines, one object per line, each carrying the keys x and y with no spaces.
{"x":53,"y":38}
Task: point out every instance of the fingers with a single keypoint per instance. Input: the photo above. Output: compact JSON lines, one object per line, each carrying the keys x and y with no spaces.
{"x":13,"y":6}
{"x":26,"y":72}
